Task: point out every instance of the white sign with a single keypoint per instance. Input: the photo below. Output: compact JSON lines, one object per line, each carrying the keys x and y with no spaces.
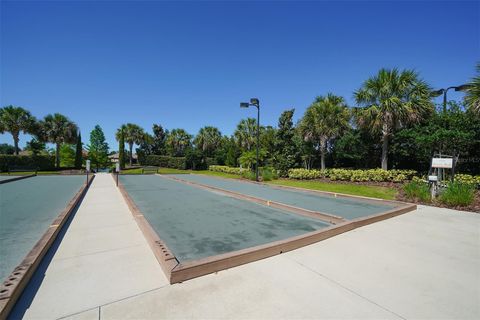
{"x":442,"y":163}
{"x":88,"y":165}
{"x":117,"y":167}
{"x":432,"y":178}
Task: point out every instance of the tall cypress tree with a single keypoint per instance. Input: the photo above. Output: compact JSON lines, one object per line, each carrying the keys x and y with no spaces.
{"x":286,"y":154}
{"x":78,"y":152}
{"x":121,"y":151}
{"x":98,"y":148}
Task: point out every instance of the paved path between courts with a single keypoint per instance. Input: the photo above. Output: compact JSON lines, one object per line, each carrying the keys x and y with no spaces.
{"x":423,"y":264}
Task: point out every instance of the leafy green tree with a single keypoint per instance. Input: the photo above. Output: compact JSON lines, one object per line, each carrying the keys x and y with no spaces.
{"x":15,"y":120}
{"x":58,"y":129}
{"x":246,"y":134}
{"x":454,"y":132}
{"x":325,"y":119}
{"x":132,"y":134}
{"x":178,"y":140}
{"x":67,"y":155}
{"x":267,"y":141}
{"x":35,"y":146}
{"x":79,"y":152}
{"x":98,"y":148}
{"x":159,"y":137}
{"x":472,"y":98}
{"x":389,"y":100}
{"x":6,"y":148}
{"x":285,"y":146}
{"x":207,"y":140}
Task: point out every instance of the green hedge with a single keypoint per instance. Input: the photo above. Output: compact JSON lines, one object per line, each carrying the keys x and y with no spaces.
{"x":166,"y":162}
{"x":377,"y":175}
{"x":227,"y":169}
{"x":40,"y":162}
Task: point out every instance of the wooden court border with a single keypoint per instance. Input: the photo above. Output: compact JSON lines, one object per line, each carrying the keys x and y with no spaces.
{"x":16,"y":178}
{"x":12,"y":288}
{"x":177,"y":272}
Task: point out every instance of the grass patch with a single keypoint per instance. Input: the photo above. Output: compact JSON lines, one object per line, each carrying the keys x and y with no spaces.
{"x":417,"y":190}
{"x":458,"y":194}
{"x":352,"y":189}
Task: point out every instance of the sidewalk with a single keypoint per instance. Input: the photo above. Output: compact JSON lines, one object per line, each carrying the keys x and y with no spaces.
{"x":103,"y":257}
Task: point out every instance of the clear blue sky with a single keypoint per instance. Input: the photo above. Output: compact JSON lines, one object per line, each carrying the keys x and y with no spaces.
{"x":189,"y":64}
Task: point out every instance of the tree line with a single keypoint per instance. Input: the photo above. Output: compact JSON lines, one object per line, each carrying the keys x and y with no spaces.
{"x":394,"y":124}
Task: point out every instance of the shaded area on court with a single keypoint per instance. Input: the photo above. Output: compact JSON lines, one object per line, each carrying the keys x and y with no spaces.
{"x":342,"y":207}
{"x":197,"y":223}
{"x":7,"y":177}
{"x":27,"y":208}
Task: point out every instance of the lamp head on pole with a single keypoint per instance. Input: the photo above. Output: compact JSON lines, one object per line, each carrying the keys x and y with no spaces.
{"x":437,"y":93}
{"x":463,"y":87}
{"x":255,"y":102}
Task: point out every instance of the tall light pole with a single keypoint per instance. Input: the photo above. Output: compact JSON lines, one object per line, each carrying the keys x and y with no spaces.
{"x":256,"y":103}
{"x":438,"y":92}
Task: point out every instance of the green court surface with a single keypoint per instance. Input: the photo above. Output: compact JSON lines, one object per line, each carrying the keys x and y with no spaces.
{"x":27,"y":208}
{"x":197,"y":223}
{"x":343,"y":207}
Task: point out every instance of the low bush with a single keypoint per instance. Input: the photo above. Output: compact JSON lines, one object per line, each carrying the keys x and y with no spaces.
{"x":417,"y":190}
{"x":250,"y":175}
{"x":468,"y":179}
{"x":39,"y":162}
{"x":227,"y":169}
{"x":376,"y":175}
{"x":269,"y":174}
{"x":166,"y":162}
{"x":458,"y":194}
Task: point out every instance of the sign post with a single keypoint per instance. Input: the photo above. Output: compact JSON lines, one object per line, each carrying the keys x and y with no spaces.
{"x":88,"y":169}
{"x":117,"y":169}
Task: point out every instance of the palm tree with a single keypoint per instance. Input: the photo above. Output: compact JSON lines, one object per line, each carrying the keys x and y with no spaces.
{"x":132,"y":134}
{"x":325,"y":119}
{"x":472,"y":97}
{"x":390,"y":100}
{"x":246,"y":133}
{"x":58,"y":129}
{"x":177,"y":141}
{"x":208,"y":139}
{"x":15,"y":120}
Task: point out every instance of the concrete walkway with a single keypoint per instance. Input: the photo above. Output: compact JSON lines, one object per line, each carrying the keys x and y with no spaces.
{"x":424,"y":264}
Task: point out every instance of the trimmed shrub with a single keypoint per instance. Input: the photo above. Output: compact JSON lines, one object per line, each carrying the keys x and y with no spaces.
{"x":268,"y":174}
{"x":376,"y":175}
{"x":250,"y":175}
{"x":417,"y":190}
{"x":458,"y":194}
{"x":468,"y":179}
{"x":166,"y":162}
{"x":227,"y":169}
{"x":39,"y":162}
